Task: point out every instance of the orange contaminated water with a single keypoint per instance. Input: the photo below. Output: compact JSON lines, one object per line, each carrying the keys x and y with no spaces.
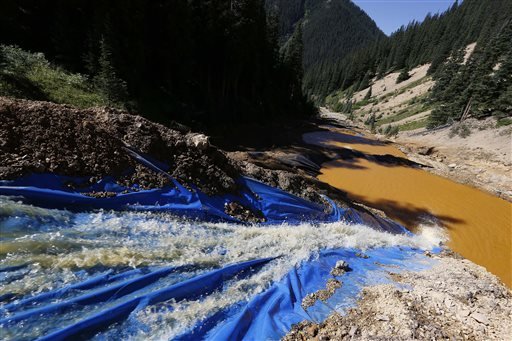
{"x":479,"y":225}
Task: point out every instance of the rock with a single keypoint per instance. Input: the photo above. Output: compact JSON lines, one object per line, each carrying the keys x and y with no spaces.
{"x":236,"y":210}
{"x":308,"y":301}
{"x":199,"y":141}
{"x":353,"y":331}
{"x":332,"y":285}
{"x":340,"y":268}
{"x":452,"y":165}
{"x":312,"y":330}
{"x":323,"y":294}
{"x":448,"y":302}
{"x":425,"y":150}
{"x":480,"y":318}
{"x":382,"y":318}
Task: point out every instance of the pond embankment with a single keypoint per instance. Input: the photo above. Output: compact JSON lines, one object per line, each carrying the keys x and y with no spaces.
{"x":42,"y":137}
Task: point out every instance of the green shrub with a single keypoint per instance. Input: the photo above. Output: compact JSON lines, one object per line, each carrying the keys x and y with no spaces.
{"x":503,"y":122}
{"x":337,"y":106}
{"x":391,"y":130}
{"x":460,"y":129}
{"x":403,"y":76}
{"x":414,"y":125}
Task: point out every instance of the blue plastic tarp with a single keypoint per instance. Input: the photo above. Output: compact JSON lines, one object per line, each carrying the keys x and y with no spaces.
{"x":125,"y":293}
{"x":50,"y":191}
{"x":276,"y":206}
{"x":269,"y":315}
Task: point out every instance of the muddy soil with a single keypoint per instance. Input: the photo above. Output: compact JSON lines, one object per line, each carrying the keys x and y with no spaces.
{"x":43,"y":137}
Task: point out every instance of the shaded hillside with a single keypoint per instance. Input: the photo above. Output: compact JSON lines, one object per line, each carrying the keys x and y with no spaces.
{"x":204,"y":62}
{"x":331,"y":29}
{"x":479,"y":82}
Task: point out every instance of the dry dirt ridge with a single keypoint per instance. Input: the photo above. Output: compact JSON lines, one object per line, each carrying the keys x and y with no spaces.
{"x":42,"y":137}
{"x":454,"y":300}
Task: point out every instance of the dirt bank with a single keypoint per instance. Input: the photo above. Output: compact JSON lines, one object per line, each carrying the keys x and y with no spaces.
{"x":42,"y":137}
{"x":482,"y":160}
{"x":455,"y":299}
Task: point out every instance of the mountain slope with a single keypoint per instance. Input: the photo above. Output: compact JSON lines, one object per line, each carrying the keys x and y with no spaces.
{"x":331,"y":29}
{"x":476,"y":82}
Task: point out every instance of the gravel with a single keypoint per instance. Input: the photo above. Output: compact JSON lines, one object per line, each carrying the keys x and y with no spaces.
{"x":455,"y":299}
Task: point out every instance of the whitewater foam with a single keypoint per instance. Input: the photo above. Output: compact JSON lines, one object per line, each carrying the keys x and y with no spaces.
{"x":63,"y":242}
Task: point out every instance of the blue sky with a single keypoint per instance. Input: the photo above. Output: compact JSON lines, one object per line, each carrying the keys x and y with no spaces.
{"x":391,"y":14}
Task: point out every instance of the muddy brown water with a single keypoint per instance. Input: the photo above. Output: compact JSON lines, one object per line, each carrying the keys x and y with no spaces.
{"x":479,"y":225}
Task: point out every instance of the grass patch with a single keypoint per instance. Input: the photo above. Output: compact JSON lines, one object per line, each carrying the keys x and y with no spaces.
{"x":503,"y":122}
{"x":362,"y":103}
{"x":404,"y":113}
{"x":414,"y":125}
{"x":31,"y":76}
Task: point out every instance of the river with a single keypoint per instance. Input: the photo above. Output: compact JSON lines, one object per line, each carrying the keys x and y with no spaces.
{"x":479,"y":225}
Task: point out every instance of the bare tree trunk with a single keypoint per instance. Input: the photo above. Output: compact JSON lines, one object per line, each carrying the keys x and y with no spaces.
{"x":465,"y":114}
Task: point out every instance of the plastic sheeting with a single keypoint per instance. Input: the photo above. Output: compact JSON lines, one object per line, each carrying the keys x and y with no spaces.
{"x":117,"y":297}
{"x":113,"y":296}
{"x":50,"y":191}
{"x":271,"y":314}
{"x":277,"y":206}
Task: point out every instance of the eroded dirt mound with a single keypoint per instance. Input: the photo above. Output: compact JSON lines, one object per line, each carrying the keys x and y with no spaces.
{"x":43,"y":137}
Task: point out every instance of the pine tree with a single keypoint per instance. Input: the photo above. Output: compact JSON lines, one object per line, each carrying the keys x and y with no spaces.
{"x":368,"y":94}
{"x":365,"y":82}
{"x":106,"y":80}
{"x":403,"y":76}
{"x":504,"y":103}
{"x":293,"y":53}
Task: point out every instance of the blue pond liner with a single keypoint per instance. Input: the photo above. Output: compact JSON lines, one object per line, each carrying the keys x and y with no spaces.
{"x":276,"y":206}
{"x":114,"y":296}
{"x":267,"y":316}
{"x":50,"y":191}
{"x":271,"y":314}
{"x":132,"y":295}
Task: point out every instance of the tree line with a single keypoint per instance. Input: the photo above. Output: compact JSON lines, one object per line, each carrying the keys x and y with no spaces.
{"x":330,"y":30}
{"x":441,"y":39}
{"x":208,"y":61}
